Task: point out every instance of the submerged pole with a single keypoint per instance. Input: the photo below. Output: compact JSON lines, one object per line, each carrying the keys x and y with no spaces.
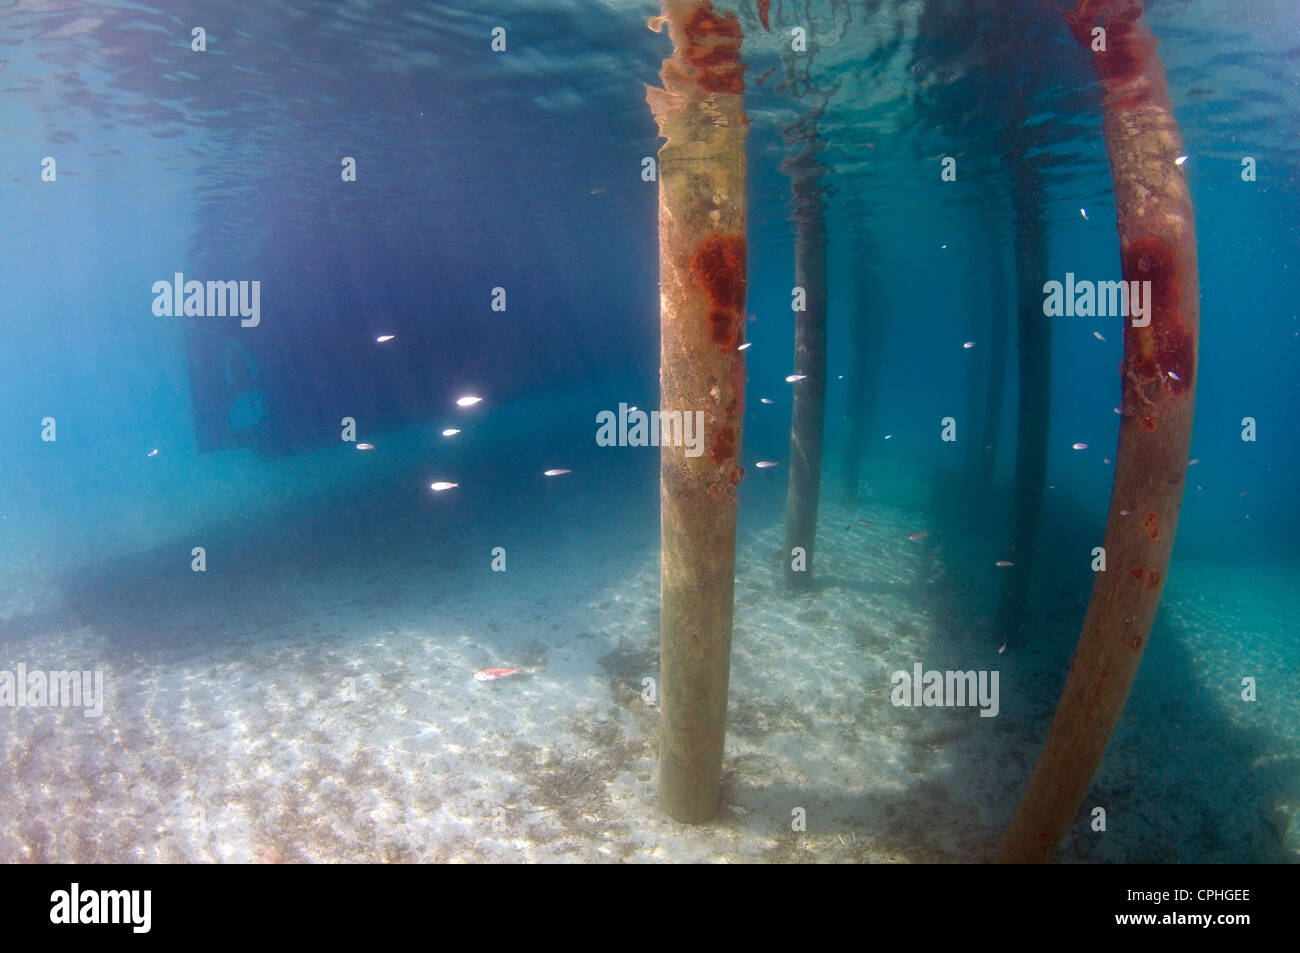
{"x":702,"y":275}
{"x":1158,"y":383}
{"x":856,"y":411}
{"x":997,"y":368}
{"x":971,"y":412}
{"x":808,"y":415}
{"x":1034,"y":344}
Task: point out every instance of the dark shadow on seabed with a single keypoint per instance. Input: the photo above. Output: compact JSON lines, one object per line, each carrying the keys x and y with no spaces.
{"x":386,"y":547}
{"x":1180,"y":783}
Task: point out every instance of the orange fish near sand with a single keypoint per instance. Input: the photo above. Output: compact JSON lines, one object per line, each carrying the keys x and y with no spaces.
{"x":492,"y":674}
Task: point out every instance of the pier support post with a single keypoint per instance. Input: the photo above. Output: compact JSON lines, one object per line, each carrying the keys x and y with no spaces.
{"x":991,"y":433}
{"x":702,"y":275}
{"x":1033,"y":412}
{"x":808,"y":414}
{"x":1158,"y":384}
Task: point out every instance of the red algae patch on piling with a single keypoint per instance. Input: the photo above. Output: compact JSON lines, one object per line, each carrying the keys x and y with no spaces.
{"x":718,"y":270}
{"x":1163,"y":350}
{"x":714,"y":50}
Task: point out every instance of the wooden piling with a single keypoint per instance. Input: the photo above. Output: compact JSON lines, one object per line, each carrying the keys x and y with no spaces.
{"x":1158,"y":386}
{"x":702,"y":272}
{"x":808,"y":413}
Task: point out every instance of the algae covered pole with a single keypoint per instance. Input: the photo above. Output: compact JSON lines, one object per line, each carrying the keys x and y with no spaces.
{"x":1158,"y":381}
{"x":702,"y":277}
{"x":808,"y":415}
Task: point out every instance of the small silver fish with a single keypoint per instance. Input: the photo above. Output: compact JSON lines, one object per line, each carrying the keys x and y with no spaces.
{"x":746,"y":346}
{"x":764,"y":464}
{"x":968,"y":345}
{"x":442,"y":485}
{"x":795,"y":377}
{"x":1003,"y":563}
{"x":384,"y":338}
{"x":450,"y":432}
{"x":1180,"y":160}
{"x":555,"y":472}
{"x":1174,"y":376}
{"x":468,"y":401}
{"x":765,"y":400}
{"x":153,"y":452}
{"x":1097,"y":335}
{"x":1194,"y":461}
{"x":1079,"y":446}
{"x":365,"y":446}
{"x":1084,"y":213}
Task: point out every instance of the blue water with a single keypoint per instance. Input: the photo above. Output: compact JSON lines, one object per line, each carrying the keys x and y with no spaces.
{"x":486,"y":177}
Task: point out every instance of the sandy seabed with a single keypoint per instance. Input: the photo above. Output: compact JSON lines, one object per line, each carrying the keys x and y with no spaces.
{"x":333,"y":716}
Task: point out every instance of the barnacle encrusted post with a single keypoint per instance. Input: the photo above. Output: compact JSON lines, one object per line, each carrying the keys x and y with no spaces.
{"x":702,"y":271}
{"x":1158,"y":383}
